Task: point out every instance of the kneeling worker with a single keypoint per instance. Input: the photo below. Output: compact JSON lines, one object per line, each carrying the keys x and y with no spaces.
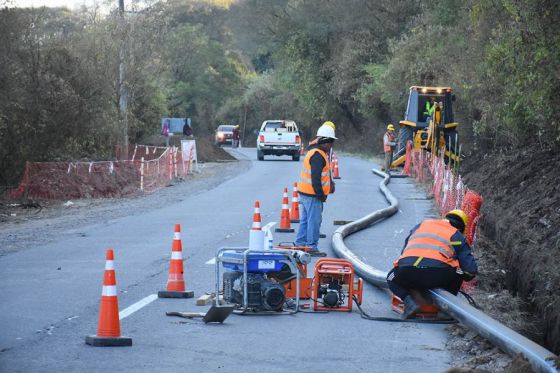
{"x":435,"y":255}
{"x":314,"y":186}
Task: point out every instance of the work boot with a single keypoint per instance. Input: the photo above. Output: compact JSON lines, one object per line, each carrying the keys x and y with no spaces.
{"x":410,"y":308}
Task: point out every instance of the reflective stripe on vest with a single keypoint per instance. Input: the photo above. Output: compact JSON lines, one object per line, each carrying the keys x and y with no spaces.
{"x":305,"y":184}
{"x":432,"y":240}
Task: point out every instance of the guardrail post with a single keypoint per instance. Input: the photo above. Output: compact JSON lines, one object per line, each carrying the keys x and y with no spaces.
{"x":175,"y":160}
{"x":142,"y":175}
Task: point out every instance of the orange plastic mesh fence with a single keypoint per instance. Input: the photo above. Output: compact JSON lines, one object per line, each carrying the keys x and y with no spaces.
{"x":148,"y":169}
{"x":408,"y":159}
{"x":471,"y":205}
{"x":449,"y":191}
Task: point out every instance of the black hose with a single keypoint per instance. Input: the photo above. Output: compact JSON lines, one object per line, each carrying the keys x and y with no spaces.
{"x":394,"y":319}
{"x":470,"y":299}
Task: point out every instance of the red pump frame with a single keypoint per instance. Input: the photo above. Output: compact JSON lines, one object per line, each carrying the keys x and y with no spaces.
{"x":326,"y":270}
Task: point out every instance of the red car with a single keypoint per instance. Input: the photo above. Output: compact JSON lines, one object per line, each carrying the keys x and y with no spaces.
{"x":224,"y":134}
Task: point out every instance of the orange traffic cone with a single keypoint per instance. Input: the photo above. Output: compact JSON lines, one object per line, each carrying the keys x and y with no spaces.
{"x":294,"y":211}
{"x":109,"y":327}
{"x":302,"y":149}
{"x":285,"y":215}
{"x":256,"y":217}
{"x":336,"y":175}
{"x":175,"y":281}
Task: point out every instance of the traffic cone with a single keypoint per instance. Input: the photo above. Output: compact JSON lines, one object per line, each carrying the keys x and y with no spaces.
{"x":108,"y":327}
{"x":256,"y":217}
{"x":285,"y":215}
{"x":256,"y":234}
{"x":175,"y":281}
{"x":302,"y":149}
{"x":294,"y":211}
{"x":336,"y":175}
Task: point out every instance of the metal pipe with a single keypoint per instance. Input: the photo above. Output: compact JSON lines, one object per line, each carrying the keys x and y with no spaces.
{"x":501,"y":336}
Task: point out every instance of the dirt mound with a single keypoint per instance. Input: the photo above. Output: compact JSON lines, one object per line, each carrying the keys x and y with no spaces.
{"x":206,"y":150}
{"x":520,"y":239}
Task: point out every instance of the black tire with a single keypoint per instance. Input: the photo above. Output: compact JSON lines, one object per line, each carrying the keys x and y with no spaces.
{"x":405,"y":134}
{"x":295,"y":157}
{"x":260,"y":155}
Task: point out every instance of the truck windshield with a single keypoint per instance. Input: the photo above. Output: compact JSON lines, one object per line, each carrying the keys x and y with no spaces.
{"x":280,"y":126}
{"x":225,"y":128}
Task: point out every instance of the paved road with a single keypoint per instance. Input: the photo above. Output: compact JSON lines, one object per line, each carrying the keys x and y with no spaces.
{"x":45,"y":311}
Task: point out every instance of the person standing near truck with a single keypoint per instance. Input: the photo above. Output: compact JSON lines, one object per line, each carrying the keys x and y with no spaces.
{"x":235,"y":137}
{"x":314,"y":186}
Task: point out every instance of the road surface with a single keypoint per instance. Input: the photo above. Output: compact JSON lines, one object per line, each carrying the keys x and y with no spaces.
{"x":50,"y":292}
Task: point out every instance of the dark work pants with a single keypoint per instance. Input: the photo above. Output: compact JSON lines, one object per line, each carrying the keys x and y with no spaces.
{"x":402,"y":279}
{"x":388,"y":161}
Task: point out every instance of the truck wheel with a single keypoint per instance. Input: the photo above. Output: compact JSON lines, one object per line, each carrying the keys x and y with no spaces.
{"x":260,"y":155}
{"x":295,"y":157}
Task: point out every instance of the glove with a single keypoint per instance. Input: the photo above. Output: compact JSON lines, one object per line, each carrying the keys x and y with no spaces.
{"x":332,"y":186}
{"x":322,"y":198}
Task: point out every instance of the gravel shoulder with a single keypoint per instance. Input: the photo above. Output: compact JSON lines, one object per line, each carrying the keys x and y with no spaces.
{"x":26,"y":224}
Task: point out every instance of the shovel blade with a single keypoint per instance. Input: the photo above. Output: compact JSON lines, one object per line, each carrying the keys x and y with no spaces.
{"x":217,"y":314}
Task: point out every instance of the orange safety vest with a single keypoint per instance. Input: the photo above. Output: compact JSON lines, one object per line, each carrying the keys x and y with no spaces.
{"x":388,"y":141}
{"x":305,"y":185}
{"x":432,"y":240}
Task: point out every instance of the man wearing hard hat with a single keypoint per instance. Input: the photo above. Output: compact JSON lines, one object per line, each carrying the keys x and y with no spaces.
{"x":388,"y":146}
{"x":314,"y":185}
{"x":435,"y":255}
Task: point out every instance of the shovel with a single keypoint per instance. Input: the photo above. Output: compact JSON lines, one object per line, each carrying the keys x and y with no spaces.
{"x":214,"y":314}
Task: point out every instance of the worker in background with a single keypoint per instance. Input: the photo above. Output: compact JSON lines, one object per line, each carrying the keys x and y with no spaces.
{"x":235,"y":135}
{"x":435,"y":255}
{"x":430,"y":107}
{"x":388,"y":147}
{"x":314,"y":185}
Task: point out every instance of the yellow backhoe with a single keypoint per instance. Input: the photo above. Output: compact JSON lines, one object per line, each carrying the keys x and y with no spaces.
{"x":429,"y":124}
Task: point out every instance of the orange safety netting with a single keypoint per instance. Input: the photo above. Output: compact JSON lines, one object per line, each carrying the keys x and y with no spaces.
{"x":148,"y":169}
{"x":447,"y":187}
{"x":408,"y":159}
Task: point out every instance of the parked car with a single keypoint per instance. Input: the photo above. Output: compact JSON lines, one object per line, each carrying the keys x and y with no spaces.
{"x":224,"y":135}
{"x":278,"y":137}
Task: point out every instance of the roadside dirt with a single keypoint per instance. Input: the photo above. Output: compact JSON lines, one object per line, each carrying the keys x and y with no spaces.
{"x":28,"y":223}
{"x":205,"y":148}
{"x":519,"y":230}
{"x":518,"y":248}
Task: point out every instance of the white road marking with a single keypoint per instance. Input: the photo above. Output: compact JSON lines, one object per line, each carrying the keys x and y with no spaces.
{"x":136,"y":306}
{"x":211,"y":261}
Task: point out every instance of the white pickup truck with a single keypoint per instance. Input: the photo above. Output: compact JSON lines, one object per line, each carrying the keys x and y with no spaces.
{"x":279,"y":137}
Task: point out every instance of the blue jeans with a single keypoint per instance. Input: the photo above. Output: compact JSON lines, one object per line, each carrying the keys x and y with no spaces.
{"x":310,"y":210}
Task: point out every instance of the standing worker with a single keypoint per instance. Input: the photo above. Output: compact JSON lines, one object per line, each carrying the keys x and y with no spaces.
{"x":314,"y":185}
{"x":388,"y":147}
{"x":235,"y":135}
{"x":435,"y":255}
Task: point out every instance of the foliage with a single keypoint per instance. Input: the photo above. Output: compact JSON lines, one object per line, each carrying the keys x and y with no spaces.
{"x":59,"y":71}
{"x":248,"y":60}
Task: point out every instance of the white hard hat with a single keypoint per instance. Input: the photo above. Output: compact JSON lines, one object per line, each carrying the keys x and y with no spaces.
{"x":326,"y":131}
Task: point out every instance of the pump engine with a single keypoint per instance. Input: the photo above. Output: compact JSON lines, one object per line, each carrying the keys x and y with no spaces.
{"x":263,"y":292}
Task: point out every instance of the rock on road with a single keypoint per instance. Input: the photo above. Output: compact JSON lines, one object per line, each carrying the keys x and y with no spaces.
{"x":46,"y":312}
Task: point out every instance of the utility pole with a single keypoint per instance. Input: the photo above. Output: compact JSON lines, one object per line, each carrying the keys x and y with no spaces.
{"x":123,"y":92}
